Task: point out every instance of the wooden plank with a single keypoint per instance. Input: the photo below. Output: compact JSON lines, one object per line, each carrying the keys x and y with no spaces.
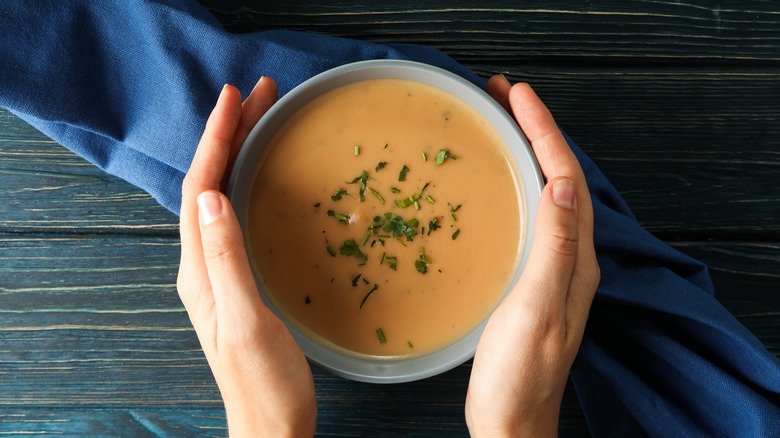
{"x":537,"y":31}
{"x":692,"y":152}
{"x":44,"y":187}
{"x":94,"y":322}
{"x":99,"y":422}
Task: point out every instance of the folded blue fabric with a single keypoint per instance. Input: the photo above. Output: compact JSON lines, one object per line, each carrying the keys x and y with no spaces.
{"x":129,"y":85}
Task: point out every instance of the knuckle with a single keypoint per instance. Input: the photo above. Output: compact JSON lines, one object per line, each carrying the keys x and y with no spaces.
{"x":563,"y":240}
{"x":188,"y":184}
{"x":220,"y":251}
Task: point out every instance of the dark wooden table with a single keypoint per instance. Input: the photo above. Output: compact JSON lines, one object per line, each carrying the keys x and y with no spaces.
{"x":679,"y":104}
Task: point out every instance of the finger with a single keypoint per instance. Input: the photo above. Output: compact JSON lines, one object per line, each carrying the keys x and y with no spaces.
{"x":557,"y":160}
{"x":259,"y":101}
{"x":205,"y":173}
{"x":498,"y":88}
{"x":553,"y":154}
{"x":546,"y":279}
{"x":235,"y":293}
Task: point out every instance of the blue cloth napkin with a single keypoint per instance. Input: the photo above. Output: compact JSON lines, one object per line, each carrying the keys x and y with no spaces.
{"x":128,"y":85}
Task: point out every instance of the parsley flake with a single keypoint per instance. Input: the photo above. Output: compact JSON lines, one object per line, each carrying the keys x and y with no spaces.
{"x":422,"y":263}
{"x":373,"y":289}
{"x":399,"y":227}
{"x":443,"y":155}
{"x":339,"y":194}
{"x":402,"y":175}
{"x":381,"y":336}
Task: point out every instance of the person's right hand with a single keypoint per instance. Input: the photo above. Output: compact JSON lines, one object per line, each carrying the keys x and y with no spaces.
{"x":263,"y":376}
{"x":526,"y":351}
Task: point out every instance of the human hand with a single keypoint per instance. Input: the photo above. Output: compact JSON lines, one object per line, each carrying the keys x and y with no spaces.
{"x":263,"y":376}
{"x":529,"y":344}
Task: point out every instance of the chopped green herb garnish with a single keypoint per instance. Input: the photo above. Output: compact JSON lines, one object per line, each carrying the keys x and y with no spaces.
{"x":385,"y":146}
{"x":364,"y":280}
{"x":356,"y":279}
{"x":422,"y":263}
{"x":399,"y":227}
{"x":365,"y":239}
{"x":307,"y":300}
{"x":452,"y":216}
{"x":378,"y":195}
{"x":350,"y":248}
{"x":443,"y":155}
{"x":316,"y":205}
{"x":430,"y":199}
{"x":409,"y":343}
{"x":424,"y":187}
{"x":338,"y":195}
{"x":381,"y":260}
{"x":395,"y":190}
{"x":343,"y":218}
{"x":331,"y":213}
{"x":425,"y":157}
{"x":416,"y":205}
{"x":331,"y":251}
{"x":373,"y":289}
{"x":454,"y":209}
{"x":381,"y":165}
{"x":375,"y":225}
{"x":363,"y":178}
{"x":456,"y":234}
{"x":357,"y":150}
{"x":402,"y":175}
{"x":392,"y":262}
{"x":433,"y":225}
{"x":381,"y":336}
{"x":403,"y":203}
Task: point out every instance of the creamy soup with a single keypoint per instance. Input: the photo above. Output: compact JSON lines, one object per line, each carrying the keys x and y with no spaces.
{"x":384,"y":219}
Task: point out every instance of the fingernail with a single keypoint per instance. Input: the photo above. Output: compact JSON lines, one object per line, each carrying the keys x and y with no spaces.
{"x":563,"y":193}
{"x":504,"y":78}
{"x":259,"y":81}
{"x":209,"y":207}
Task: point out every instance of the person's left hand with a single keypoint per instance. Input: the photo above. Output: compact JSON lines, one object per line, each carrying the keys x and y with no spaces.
{"x":265,"y":381}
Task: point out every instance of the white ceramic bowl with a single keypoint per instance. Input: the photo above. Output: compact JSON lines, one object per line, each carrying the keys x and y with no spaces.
{"x":527,"y":173}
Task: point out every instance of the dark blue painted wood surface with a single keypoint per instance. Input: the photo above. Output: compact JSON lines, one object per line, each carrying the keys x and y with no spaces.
{"x":679,"y":104}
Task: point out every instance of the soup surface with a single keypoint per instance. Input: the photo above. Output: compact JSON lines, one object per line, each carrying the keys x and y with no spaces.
{"x":384,"y":219}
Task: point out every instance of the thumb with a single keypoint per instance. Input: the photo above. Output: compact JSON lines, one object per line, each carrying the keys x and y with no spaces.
{"x":232,"y":282}
{"x":554,"y":252}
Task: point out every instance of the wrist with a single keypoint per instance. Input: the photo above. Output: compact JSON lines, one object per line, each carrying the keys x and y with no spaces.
{"x":518,"y":420}
{"x":252,"y":417}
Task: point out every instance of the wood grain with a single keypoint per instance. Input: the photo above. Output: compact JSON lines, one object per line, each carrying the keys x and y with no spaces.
{"x":691,"y":152}
{"x":677,"y":102}
{"x":537,"y":31}
{"x":45,"y":187}
{"x":91,"y":322}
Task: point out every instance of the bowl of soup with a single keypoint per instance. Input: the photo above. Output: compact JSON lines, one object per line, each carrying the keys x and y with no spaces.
{"x":387,"y":208}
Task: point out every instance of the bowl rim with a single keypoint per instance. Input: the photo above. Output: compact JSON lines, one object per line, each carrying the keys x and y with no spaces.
{"x":527,"y":175}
